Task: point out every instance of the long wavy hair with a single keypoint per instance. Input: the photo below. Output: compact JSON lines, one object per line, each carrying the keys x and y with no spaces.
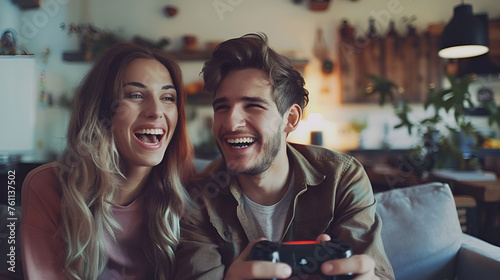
{"x":90,"y":171}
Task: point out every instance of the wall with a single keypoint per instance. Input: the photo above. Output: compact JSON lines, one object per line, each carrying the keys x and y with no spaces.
{"x":291,"y":29}
{"x":9,"y":15}
{"x":18,"y":104}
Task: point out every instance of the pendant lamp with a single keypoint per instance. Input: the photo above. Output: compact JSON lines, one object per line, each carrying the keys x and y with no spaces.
{"x":464,"y":36}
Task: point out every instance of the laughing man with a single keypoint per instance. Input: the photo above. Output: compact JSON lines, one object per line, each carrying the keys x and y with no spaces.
{"x":264,"y":187}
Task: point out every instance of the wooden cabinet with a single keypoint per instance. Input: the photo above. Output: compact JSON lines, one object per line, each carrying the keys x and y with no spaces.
{"x":483,"y":64}
{"x":494,"y":40}
{"x":410,"y":61}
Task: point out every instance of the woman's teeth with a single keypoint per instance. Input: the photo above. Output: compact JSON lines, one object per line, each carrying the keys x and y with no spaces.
{"x":156,"y":131}
{"x":149,"y":135}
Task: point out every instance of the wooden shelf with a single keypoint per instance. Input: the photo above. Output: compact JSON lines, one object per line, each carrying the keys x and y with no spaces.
{"x":202,"y":55}
{"x":27,"y":4}
{"x":191,"y":55}
{"x":205,"y":55}
{"x":299,"y":64}
{"x":201,"y":98}
{"x":74,"y":56}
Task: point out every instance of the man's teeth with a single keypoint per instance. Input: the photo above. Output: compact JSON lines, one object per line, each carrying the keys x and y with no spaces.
{"x":155,"y":131}
{"x":241,"y":142}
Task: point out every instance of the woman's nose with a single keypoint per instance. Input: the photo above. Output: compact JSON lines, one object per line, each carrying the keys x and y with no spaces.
{"x":153,"y":109}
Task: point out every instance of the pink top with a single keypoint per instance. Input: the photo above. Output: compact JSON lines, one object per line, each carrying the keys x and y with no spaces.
{"x":42,"y":246}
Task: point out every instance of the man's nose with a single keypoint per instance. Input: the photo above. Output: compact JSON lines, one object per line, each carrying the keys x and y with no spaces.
{"x":234,"y":119}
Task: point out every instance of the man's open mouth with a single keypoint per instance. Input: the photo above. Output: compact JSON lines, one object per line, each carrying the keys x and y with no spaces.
{"x":149,"y":136}
{"x":241,"y":142}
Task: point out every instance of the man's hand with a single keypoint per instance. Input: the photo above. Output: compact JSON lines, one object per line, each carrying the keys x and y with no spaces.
{"x":244,"y":269}
{"x":363,"y":266}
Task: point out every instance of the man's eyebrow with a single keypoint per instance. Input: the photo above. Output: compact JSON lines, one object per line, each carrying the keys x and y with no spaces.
{"x":219,"y":100}
{"x":255,"y":100}
{"x":245,"y":98}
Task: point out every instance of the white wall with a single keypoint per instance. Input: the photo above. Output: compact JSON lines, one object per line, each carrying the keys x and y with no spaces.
{"x":18,"y":103}
{"x":9,"y":16}
{"x":290,"y":27}
{"x":39,"y":31}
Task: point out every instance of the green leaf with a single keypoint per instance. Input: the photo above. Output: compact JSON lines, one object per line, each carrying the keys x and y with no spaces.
{"x":382,"y":86}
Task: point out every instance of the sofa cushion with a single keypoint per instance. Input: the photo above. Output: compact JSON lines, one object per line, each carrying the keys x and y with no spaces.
{"x":421,"y":231}
{"x":199,"y":164}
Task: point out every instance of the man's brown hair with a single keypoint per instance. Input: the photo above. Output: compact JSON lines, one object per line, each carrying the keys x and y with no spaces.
{"x":253,"y":51}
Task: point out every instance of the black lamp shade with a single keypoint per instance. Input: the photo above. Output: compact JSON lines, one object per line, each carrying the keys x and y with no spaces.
{"x":464,"y":36}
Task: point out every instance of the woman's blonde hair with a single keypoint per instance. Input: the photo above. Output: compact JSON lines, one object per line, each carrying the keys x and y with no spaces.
{"x":90,"y":171}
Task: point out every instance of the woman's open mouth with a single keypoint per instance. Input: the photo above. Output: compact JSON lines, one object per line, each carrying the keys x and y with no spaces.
{"x":149,"y":136}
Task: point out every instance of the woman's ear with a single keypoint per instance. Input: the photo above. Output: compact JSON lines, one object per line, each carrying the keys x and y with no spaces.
{"x":293,"y":116}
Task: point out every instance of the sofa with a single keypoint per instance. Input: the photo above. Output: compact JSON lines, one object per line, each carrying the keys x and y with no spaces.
{"x":423,"y":238}
{"x":421,"y":233}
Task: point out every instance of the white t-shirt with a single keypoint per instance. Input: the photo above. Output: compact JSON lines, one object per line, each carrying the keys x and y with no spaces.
{"x":270,"y":219}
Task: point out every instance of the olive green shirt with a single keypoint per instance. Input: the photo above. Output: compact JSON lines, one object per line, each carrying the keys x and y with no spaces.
{"x":333,"y":195}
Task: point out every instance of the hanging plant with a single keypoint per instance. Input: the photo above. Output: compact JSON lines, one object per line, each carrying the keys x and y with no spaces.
{"x":93,"y":41}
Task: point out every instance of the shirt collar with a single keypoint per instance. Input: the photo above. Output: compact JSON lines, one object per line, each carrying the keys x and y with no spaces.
{"x":304,"y":169}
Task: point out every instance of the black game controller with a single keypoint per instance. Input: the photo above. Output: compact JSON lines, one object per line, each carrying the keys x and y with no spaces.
{"x":305,"y":257}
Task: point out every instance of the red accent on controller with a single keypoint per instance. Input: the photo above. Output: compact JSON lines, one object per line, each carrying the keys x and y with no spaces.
{"x":301,"y":242}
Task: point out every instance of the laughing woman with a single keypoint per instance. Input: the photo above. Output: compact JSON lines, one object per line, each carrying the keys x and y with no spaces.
{"x":110,"y":207}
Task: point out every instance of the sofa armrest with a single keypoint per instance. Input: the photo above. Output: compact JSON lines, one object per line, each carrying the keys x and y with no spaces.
{"x":477,"y":259}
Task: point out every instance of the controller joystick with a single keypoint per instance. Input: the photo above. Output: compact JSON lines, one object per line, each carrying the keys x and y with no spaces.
{"x":304,"y":257}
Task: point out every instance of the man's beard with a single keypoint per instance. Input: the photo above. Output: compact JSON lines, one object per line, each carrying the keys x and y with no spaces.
{"x":265,"y":160}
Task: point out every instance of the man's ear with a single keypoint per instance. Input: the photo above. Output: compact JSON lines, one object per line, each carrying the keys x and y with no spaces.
{"x":293,"y":116}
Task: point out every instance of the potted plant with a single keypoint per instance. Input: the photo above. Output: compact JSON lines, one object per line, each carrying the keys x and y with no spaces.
{"x":358,"y":125}
{"x":452,"y":148}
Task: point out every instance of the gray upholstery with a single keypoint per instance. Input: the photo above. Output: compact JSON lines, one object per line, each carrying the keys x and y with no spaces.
{"x":199,"y":164}
{"x":423,"y":238}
